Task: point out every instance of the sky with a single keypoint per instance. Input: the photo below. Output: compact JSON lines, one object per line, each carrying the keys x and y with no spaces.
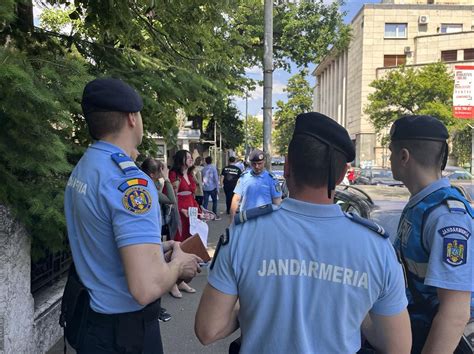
{"x":280,"y":77}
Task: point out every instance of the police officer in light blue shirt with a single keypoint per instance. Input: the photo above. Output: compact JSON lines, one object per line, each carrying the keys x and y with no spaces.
{"x":434,"y":236}
{"x":113,"y":222}
{"x":255,"y":187}
{"x":304,"y":277}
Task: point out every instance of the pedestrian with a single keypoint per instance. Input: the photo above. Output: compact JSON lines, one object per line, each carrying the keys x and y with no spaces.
{"x":210,"y":185}
{"x":199,"y":193}
{"x":240,"y":165}
{"x":293,"y":278}
{"x":229,"y":177}
{"x":434,"y":236}
{"x":255,"y":187}
{"x":114,"y":231}
{"x":184,"y":186}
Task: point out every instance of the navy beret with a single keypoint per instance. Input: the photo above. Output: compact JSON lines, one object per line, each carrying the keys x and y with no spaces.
{"x":415,"y":127}
{"x":256,"y":156}
{"x":326,"y":130}
{"x":110,"y":95}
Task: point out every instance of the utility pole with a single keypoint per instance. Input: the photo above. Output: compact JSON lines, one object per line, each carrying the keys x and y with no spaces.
{"x":268,"y":82}
{"x":246,"y":122}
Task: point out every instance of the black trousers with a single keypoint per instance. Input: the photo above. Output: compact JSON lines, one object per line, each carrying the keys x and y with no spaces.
{"x":229,"y":193}
{"x":122,"y":334}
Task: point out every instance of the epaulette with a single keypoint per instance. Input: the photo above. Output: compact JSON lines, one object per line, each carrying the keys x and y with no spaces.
{"x":456,"y":206}
{"x":368,"y":223}
{"x":253,"y":213}
{"x":125,"y":163}
{"x":272,"y":175}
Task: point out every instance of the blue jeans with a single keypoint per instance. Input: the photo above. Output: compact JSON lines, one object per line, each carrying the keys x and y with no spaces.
{"x":213,"y":195}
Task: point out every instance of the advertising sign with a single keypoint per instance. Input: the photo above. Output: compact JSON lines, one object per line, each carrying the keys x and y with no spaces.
{"x":463,"y":95}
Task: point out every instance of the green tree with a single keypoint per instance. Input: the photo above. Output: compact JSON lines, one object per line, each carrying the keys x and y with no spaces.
{"x":426,"y":90}
{"x":188,"y":55}
{"x":254,"y":133}
{"x":299,"y":101}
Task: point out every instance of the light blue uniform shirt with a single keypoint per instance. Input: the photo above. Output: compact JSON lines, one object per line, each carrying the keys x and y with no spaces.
{"x":306,"y":277}
{"x":256,"y":190}
{"x":441,"y":226}
{"x":107,"y":209}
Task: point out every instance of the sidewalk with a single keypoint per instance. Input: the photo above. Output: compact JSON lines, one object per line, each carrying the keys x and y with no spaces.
{"x":178,"y":334}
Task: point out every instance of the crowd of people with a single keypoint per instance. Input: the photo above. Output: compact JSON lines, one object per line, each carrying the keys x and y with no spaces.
{"x":287,"y":273}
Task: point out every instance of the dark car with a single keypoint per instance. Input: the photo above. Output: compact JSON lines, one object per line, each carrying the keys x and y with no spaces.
{"x":278,"y":160}
{"x":377,"y":176}
{"x":282,"y":182}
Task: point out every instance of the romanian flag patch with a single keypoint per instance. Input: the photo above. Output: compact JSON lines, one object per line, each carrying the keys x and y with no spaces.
{"x":132,"y":182}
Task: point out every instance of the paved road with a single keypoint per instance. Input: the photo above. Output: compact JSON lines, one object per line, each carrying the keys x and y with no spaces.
{"x":178,"y":334}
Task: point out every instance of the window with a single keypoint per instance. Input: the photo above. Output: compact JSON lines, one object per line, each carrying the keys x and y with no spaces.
{"x":451,"y":27}
{"x":394,"y":60}
{"x":449,"y":55}
{"x":469,"y":54}
{"x":395,"y":30}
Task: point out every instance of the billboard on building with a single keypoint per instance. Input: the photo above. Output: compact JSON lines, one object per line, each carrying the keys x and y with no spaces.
{"x":463,"y":96}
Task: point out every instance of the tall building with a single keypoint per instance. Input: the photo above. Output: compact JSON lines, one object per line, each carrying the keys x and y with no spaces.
{"x":385,"y":35}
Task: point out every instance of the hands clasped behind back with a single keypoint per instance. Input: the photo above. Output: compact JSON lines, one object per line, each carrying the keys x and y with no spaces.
{"x":188,"y":263}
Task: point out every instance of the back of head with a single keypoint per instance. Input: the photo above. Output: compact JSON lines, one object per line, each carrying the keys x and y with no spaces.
{"x":198,"y":161}
{"x":208,"y":160}
{"x":150,"y":166}
{"x":106,"y":104}
{"x":319,"y":151}
{"x":425,"y":137}
{"x":231,"y":159}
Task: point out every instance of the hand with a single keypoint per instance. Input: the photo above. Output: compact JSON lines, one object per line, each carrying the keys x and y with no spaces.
{"x":185,"y":212}
{"x":168,"y":245}
{"x":189,"y":263}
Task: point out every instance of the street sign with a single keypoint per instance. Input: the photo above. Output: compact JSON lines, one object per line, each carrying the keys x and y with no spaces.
{"x":463,"y":95}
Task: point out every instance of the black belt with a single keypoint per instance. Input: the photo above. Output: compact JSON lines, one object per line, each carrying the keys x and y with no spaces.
{"x":148,"y":313}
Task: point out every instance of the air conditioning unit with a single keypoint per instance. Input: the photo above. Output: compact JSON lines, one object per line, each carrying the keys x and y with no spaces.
{"x":423,"y":19}
{"x":407,"y":50}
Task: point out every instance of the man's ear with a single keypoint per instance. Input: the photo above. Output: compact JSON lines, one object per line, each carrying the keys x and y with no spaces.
{"x":343,"y":174}
{"x":131,"y":119}
{"x":286,"y":168}
{"x":404,"y":156}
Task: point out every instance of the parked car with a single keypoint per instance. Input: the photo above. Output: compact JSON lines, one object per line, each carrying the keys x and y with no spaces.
{"x":455,"y":173}
{"x":281,"y":180}
{"x":278,"y":160}
{"x":377,"y":176}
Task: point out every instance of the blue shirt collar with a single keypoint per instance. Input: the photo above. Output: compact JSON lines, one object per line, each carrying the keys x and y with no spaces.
{"x":312,"y":209}
{"x":440,"y":183}
{"x":105,"y":146}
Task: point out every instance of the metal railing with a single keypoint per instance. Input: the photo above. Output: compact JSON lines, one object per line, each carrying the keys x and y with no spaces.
{"x":49,"y":269}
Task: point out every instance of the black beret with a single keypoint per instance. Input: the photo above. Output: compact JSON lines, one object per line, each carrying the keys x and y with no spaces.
{"x":326,"y":130}
{"x":418,"y":128}
{"x":256,"y":156}
{"x":110,"y":95}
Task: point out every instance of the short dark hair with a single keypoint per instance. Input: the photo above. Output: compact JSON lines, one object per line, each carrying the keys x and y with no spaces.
{"x":309,"y":162}
{"x":149,"y":166}
{"x":198,"y":161}
{"x":101,"y":124}
{"x":208,"y":160}
{"x":232,"y":159}
{"x":427,"y":153}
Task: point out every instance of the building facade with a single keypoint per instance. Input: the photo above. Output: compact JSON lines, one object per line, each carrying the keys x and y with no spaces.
{"x":385,"y":35}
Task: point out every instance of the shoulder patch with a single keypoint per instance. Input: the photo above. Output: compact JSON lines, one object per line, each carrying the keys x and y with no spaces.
{"x":454,"y":230}
{"x":253,"y":213}
{"x":456,"y":206}
{"x":454,"y":251}
{"x":125,"y":163}
{"x":369,"y":224}
{"x":132,"y":182}
{"x":137,"y":200}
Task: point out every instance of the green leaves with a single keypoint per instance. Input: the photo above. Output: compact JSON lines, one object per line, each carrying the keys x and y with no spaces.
{"x":406,"y":90}
{"x":299,"y":101}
